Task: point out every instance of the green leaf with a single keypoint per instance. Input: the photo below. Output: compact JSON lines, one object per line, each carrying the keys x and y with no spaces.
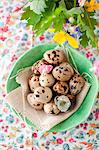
{"x":72,"y":12}
{"x":58,"y":11}
{"x":84,"y":40}
{"x":46,"y":19}
{"x":50,"y":5}
{"x":43,"y":25}
{"x":62,"y":4}
{"x":34,"y":20}
{"x":31,"y":17}
{"x":90,"y":27}
{"x":87,"y":24}
{"x":69,"y":4}
{"x":57,"y":17}
{"x":57,"y":25}
{"x":38,"y":6}
{"x":90,"y":33}
{"x":47,"y":12}
{"x":26,"y":14}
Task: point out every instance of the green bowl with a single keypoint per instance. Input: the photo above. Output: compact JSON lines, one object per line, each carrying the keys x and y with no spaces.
{"x":83,"y":65}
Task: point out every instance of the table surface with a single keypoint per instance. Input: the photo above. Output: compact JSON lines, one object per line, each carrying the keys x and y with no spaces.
{"x":15,"y":39}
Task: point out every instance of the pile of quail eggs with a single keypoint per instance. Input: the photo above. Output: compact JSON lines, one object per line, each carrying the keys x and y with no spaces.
{"x":54,"y":84}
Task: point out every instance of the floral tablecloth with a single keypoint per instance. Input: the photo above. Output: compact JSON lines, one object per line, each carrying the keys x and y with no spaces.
{"x":15,"y":39}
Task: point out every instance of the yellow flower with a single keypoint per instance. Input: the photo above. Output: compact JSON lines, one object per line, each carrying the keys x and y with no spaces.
{"x":72,"y":41}
{"x":51,"y":30}
{"x":62,"y":37}
{"x":91,"y":6}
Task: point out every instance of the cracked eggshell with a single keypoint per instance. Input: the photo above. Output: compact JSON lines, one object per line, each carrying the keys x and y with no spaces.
{"x":63,"y":103}
{"x":51,"y":108}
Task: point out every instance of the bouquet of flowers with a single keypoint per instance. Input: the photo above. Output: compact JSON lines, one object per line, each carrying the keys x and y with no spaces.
{"x":71,"y":20}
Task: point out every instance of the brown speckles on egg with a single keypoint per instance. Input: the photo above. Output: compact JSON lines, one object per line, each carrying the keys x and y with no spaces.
{"x":49,"y":55}
{"x":66,"y":70}
{"x":61,"y":87}
{"x":37,"y":95}
{"x":74,"y":87}
{"x":43,"y":91}
{"x":65,"y":88}
{"x":58,"y":76}
{"x":31,"y":100}
{"x":75,"y":81}
{"x":35,"y":68}
{"x":47,"y":80}
{"x":38,"y":104}
{"x":35,"y":79}
{"x":76,"y":84}
{"x":57,"y":55}
{"x":34,"y":82}
{"x":61,"y":67}
{"x":63,"y":72}
{"x":43,"y":94}
{"x":58,"y":50}
{"x":54,"y":57}
{"x":54,"y":52}
{"x":60,"y":71}
{"x":30,"y":77}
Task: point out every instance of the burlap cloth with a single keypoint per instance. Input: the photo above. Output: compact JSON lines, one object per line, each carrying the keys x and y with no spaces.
{"x":18,"y":99}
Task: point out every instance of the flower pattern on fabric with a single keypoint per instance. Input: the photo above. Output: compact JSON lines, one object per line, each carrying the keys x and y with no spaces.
{"x":15,"y":39}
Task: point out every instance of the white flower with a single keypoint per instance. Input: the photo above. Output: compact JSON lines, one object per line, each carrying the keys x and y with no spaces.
{"x":81,"y":2}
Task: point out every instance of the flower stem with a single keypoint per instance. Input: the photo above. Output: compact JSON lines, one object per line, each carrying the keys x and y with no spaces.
{"x":74,"y":3}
